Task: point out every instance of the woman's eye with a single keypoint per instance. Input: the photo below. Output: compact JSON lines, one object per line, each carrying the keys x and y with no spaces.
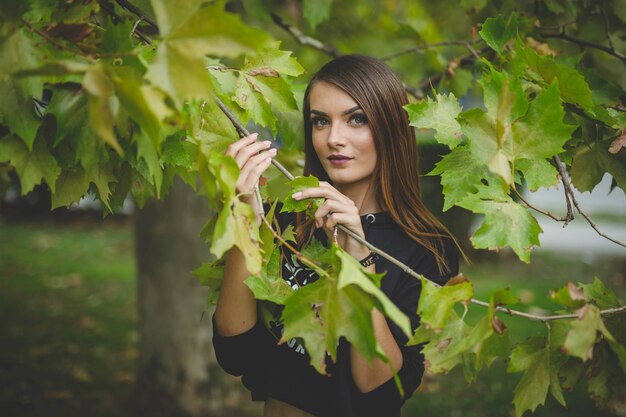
{"x":319,"y":122}
{"x":358,"y":119}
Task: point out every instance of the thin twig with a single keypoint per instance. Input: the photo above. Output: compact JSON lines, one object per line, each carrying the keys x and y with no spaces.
{"x":567,"y":188}
{"x":414,"y":274}
{"x":572,"y":200}
{"x":606,"y":24}
{"x":54,"y":43}
{"x":565,"y":218}
{"x":465,"y":60}
{"x":583,"y":42}
{"x":136,"y":11}
{"x":304,"y":39}
{"x":135,"y":31}
{"x":422,"y":48}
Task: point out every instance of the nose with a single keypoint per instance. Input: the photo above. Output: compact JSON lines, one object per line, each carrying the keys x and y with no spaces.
{"x":336,"y":136}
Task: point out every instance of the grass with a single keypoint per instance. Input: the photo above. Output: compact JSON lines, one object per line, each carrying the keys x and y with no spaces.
{"x":68,"y":324}
{"x":67,"y":319}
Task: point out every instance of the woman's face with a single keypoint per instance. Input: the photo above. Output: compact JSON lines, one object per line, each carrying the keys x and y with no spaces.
{"x":342,"y":138}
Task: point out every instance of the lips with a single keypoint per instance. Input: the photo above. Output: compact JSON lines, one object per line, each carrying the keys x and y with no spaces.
{"x":339,"y":159}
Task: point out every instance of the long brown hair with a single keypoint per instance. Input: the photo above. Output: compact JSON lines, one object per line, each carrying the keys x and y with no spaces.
{"x":381,"y":96}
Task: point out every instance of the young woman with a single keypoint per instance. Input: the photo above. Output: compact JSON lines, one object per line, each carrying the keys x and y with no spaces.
{"x":359,"y":144}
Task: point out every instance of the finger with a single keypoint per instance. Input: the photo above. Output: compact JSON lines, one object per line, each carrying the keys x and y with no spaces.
{"x":250,"y":151}
{"x":234,"y":148}
{"x":253,"y":169}
{"x":321,"y":192}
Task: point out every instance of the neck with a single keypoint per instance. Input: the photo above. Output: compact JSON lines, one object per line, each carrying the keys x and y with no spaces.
{"x":362,"y":194}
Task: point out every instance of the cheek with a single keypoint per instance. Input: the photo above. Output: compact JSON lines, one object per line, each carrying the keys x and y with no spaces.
{"x":318,"y":143}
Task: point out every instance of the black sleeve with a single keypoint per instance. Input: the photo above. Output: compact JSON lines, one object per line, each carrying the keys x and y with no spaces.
{"x":238,"y":354}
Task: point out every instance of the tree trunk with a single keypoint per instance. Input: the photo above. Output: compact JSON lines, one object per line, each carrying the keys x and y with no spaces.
{"x":177,"y":373}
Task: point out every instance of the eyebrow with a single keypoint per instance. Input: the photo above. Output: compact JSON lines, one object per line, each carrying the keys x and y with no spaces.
{"x":345,"y":113}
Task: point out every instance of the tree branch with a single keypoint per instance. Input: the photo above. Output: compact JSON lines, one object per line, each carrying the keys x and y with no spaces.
{"x":583,"y":43}
{"x":136,"y":11}
{"x":54,"y":42}
{"x":328,"y":49}
{"x":424,"y":47}
{"x":304,"y":39}
{"x":239,"y":126}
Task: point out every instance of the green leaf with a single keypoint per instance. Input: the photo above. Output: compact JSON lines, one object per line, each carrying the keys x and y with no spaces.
{"x":235,"y":226}
{"x":438,"y":344}
{"x":189,"y":33}
{"x":102,"y":176}
{"x":439,"y":114}
{"x":319,"y":314}
{"x":569,"y":296}
{"x":178,"y":151}
{"x":31,"y":166}
{"x":309,"y":205}
{"x":147,"y":152}
{"x":541,"y":133}
{"x":600,"y":381}
{"x":352,"y":273}
{"x":506,"y":223}
{"x":142,"y":106}
{"x":591,"y":162}
{"x":494,"y":347}
{"x":210,"y":274}
{"x":600,"y":294}
{"x":70,"y":108}
{"x":212,"y":130}
{"x":338,"y":304}
{"x":17,"y":110}
{"x":436,"y":303}
{"x":532,"y":389}
{"x":525,"y":353}
{"x":70,"y":187}
{"x":99,"y":86}
{"x":461,"y":174}
{"x":538,"y":173}
{"x":272,"y":58}
{"x":270,"y":285}
{"x":316,"y":11}
{"x":496,"y":33}
{"x":582,"y":334}
{"x":572,"y":85}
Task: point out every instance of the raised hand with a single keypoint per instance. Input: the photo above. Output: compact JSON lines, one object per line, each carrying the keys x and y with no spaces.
{"x":337,"y":209}
{"x":253,"y":158}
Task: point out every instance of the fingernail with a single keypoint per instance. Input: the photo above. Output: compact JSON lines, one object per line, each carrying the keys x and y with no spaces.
{"x":273,"y":151}
{"x":267,"y":142}
{"x":297,"y":195}
{"x":254,"y":135}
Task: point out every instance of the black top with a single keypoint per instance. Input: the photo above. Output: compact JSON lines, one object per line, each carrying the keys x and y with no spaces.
{"x":284,"y":372}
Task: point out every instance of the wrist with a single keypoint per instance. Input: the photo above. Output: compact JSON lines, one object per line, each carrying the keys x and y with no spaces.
{"x":369,"y":260}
